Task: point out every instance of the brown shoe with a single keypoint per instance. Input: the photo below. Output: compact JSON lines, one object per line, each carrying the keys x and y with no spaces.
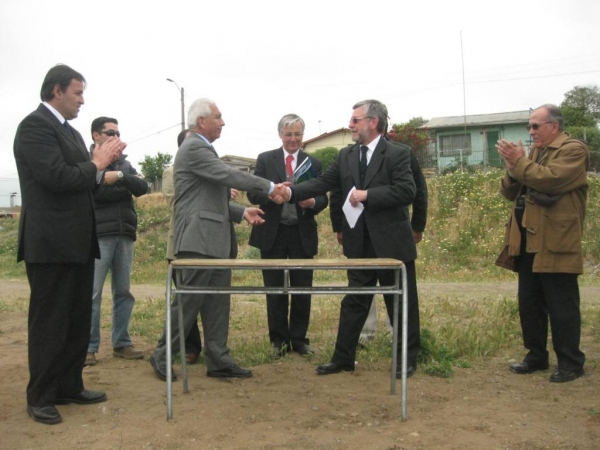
{"x":127,"y":353}
{"x":90,"y":359}
{"x":191,"y":358}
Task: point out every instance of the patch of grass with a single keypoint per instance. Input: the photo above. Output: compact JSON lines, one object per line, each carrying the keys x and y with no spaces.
{"x":463,"y":236}
{"x":9,"y":240}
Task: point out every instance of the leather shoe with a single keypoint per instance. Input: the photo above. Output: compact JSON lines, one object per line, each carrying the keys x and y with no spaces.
{"x":331,"y":367}
{"x":523,"y":368}
{"x":85,"y":397}
{"x":230,"y":372}
{"x":562,"y":376}
{"x":48,"y":415}
{"x":410,"y":371}
{"x":279,"y":350}
{"x":191,"y":358}
{"x":161,"y":372}
{"x":303,"y":349}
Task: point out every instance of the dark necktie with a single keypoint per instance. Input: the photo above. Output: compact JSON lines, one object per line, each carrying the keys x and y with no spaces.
{"x":68,"y":128}
{"x":288,"y":166}
{"x":363,"y":164}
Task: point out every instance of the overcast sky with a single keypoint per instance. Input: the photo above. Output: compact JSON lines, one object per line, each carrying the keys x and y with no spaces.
{"x":262,"y":59}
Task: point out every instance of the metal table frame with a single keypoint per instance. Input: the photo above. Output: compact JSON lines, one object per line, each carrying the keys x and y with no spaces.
{"x":286,"y":265}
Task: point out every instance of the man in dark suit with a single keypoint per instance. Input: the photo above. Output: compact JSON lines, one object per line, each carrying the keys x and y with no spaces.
{"x":290,"y":231}
{"x":418,"y":220}
{"x":204,"y":218}
{"x":57,"y":240}
{"x":376,"y":173}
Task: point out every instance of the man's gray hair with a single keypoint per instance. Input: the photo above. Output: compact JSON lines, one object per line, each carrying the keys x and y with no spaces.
{"x":288,"y":120}
{"x":374,"y":108}
{"x":200,"y":108}
{"x":554,"y":115}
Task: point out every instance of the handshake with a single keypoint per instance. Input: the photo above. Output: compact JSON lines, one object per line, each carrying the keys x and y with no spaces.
{"x":282,"y":193}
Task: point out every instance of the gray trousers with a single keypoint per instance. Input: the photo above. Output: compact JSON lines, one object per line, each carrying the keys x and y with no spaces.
{"x":214,"y":311}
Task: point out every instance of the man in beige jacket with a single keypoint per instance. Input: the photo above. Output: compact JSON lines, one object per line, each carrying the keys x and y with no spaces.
{"x":543,"y":240}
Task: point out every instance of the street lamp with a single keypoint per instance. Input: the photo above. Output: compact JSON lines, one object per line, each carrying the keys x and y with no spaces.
{"x":182,"y":104}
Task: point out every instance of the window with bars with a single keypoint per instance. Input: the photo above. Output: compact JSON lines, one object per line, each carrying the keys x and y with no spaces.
{"x":455,"y":145}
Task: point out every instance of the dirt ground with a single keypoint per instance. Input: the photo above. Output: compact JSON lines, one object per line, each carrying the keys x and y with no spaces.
{"x":286,"y":406}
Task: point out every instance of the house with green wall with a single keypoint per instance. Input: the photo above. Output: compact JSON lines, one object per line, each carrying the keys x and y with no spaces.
{"x":460,"y":141}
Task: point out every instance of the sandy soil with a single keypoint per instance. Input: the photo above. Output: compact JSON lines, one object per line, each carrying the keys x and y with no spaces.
{"x":286,"y":406}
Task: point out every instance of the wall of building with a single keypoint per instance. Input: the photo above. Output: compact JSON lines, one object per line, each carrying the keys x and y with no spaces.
{"x":338,"y":140}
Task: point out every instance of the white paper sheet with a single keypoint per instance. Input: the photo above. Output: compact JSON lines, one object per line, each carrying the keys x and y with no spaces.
{"x":352,"y":213}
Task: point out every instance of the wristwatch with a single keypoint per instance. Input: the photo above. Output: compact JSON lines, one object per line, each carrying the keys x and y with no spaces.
{"x":120,"y":175}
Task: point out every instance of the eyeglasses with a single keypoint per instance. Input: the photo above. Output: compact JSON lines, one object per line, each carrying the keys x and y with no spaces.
{"x":535,"y":126}
{"x":355,"y":120}
{"x":289,"y":135}
{"x":111,"y":133}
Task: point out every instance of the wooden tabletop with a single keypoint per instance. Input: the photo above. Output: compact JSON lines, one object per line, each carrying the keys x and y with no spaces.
{"x":341,"y":263}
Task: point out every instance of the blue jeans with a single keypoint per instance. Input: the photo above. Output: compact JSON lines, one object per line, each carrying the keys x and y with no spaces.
{"x":117,"y":256}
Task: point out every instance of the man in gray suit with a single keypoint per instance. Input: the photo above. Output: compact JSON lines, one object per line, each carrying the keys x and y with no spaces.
{"x":202,"y":211}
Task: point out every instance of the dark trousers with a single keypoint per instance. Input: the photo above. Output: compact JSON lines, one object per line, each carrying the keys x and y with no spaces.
{"x":282,"y":331}
{"x":355,"y":309}
{"x":193,"y":341}
{"x":60,"y":317}
{"x":554,"y":296}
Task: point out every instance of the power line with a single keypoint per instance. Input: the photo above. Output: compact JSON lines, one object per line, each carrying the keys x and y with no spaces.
{"x":531,"y":77}
{"x":153,"y":133}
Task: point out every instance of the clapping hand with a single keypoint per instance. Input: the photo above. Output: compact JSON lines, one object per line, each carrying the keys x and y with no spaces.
{"x":510,"y":151}
{"x":108,"y":152}
{"x":253,"y":216}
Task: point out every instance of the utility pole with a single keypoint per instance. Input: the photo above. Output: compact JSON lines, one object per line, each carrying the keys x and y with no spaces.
{"x":182,"y":104}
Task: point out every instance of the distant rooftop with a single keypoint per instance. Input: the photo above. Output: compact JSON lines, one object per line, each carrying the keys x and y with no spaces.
{"x":478,"y":119}
{"x":329,"y":133}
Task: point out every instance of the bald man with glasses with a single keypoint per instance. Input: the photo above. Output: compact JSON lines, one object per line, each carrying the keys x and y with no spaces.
{"x":542,"y":243}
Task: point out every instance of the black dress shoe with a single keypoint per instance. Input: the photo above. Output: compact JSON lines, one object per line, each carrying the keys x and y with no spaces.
{"x":230,"y":372}
{"x":410,"y":371}
{"x":523,"y":368}
{"x":303,"y":349}
{"x":161,"y":372}
{"x":331,"y":367}
{"x":562,"y":376}
{"x":191,"y":358}
{"x":44,"y":414}
{"x":279,"y":351}
{"x":85,"y":397}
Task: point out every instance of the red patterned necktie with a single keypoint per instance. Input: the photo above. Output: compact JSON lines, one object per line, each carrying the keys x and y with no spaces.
{"x":288,"y":166}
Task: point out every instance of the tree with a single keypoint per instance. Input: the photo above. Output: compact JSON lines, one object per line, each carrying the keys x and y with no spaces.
{"x":418,"y":139}
{"x":326,"y":155}
{"x":153,"y":167}
{"x":581,"y":106}
{"x":581,"y":110}
{"x":576,"y":117}
{"x":417,"y":122}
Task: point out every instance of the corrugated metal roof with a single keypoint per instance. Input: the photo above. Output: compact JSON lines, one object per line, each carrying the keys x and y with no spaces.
{"x":321,"y":136}
{"x":235,"y":158}
{"x":478,"y":119}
